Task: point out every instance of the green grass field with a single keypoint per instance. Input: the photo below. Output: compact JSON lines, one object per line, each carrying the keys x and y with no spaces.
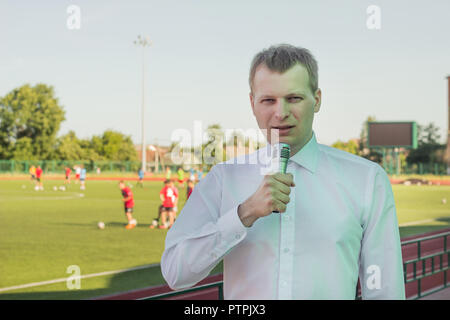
{"x":44,"y":232}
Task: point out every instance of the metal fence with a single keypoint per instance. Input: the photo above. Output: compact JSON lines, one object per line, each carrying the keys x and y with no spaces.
{"x":418,"y":168}
{"x":424,"y":266}
{"x":57,"y":166}
{"x":442,"y":266}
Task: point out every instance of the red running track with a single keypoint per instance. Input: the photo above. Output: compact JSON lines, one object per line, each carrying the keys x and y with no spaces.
{"x":151,"y":178}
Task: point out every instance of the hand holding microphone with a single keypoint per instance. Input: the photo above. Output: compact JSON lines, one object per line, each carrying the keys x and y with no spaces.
{"x":272,"y":195}
{"x":285,"y":152}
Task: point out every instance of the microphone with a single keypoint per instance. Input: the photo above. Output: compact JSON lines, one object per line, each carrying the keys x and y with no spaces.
{"x":285,"y":152}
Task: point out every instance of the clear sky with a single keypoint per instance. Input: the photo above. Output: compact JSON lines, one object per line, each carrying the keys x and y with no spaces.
{"x":197,"y":66}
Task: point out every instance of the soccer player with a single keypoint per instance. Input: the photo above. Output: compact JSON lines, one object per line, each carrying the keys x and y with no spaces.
{"x":169,"y":198}
{"x":77,"y":173}
{"x":190,"y":188}
{"x":39,"y":184}
{"x":192,"y":174}
{"x":83,"y":177}
{"x":141,"y":178}
{"x":67,"y":172}
{"x":180,"y":173}
{"x":32,"y":172}
{"x":168,"y":173}
{"x":199,"y":174}
{"x":128,"y":201}
{"x":155,"y":221}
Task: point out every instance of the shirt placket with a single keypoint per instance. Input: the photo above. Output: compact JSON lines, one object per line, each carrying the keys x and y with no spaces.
{"x":286,"y":248}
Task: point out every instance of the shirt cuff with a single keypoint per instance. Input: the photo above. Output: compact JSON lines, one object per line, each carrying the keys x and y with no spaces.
{"x":231,"y":230}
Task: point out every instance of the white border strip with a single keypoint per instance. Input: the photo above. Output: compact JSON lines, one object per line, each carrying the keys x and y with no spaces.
{"x":43,"y":283}
{"x":412,"y":223}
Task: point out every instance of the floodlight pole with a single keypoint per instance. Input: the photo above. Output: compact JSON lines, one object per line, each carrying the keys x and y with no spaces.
{"x":141,"y":41}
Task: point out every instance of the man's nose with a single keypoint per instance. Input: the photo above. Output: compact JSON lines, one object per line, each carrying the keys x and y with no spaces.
{"x":282,"y":110}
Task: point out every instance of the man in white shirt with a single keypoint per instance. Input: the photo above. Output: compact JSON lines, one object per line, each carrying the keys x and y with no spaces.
{"x":337,"y":218}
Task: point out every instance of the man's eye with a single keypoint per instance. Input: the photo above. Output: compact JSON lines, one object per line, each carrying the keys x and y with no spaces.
{"x":268,"y":100}
{"x":295,"y":99}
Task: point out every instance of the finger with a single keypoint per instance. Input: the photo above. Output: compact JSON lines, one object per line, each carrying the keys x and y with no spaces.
{"x":285,"y":178}
{"x":283,"y":198}
{"x":278,"y":206}
{"x":281,"y":187}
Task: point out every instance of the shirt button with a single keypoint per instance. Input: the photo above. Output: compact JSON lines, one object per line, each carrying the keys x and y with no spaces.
{"x":238,"y":236}
{"x":286,"y":250}
{"x":287,"y":217}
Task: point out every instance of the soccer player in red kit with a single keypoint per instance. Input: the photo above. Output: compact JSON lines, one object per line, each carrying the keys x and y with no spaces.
{"x":67,"y":171}
{"x":39,"y":183}
{"x":190,"y":188}
{"x":128,"y":201}
{"x":169,"y":198}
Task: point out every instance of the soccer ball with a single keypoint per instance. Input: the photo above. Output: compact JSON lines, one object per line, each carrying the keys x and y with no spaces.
{"x":155,"y":223}
{"x":36,"y":188}
{"x":101,"y":225}
{"x":133,"y":222}
{"x":444,"y":200}
{"x":55,"y":188}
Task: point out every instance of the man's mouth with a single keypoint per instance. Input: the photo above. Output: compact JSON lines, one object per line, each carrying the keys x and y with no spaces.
{"x":283,"y":127}
{"x":283,"y":130}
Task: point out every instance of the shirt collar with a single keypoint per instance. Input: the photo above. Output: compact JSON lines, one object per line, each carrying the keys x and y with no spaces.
{"x":307,"y":157}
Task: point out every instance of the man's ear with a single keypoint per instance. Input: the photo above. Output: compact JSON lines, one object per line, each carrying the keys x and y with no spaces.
{"x":252,"y":102}
{"x":318,"y":99}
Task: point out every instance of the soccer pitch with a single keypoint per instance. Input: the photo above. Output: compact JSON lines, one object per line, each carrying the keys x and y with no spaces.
{"x":42,"y":233}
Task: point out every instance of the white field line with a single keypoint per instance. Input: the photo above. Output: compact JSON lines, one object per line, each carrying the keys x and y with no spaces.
{"x":412,"y":223}
{"x":69,"y":196}
{"x":43,"y":283}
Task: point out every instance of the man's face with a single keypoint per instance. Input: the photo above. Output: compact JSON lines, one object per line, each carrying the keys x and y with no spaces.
{"x":285,"y":102}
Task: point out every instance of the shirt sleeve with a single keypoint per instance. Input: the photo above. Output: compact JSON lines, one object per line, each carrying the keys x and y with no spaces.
{"x":201,"y":236}
{"x":381,"y":263}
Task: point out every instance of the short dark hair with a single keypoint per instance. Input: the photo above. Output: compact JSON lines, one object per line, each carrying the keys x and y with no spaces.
{"x":281,"y":58}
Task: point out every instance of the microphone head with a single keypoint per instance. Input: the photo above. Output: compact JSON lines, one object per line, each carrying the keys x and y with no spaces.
{"x":285,"y":151}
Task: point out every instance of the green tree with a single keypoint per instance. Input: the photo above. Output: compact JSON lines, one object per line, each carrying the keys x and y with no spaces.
{"x":30,"y":118}
{"x":364,"y":150}
{"x":427,"y":145}
{"x":113,"y":145}
{"x":23,"y":149}
{"x":69,"y":147}
{"x":351,"y":146}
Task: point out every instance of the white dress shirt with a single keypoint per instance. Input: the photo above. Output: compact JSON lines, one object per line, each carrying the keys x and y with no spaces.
{"x":340,"y":223}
